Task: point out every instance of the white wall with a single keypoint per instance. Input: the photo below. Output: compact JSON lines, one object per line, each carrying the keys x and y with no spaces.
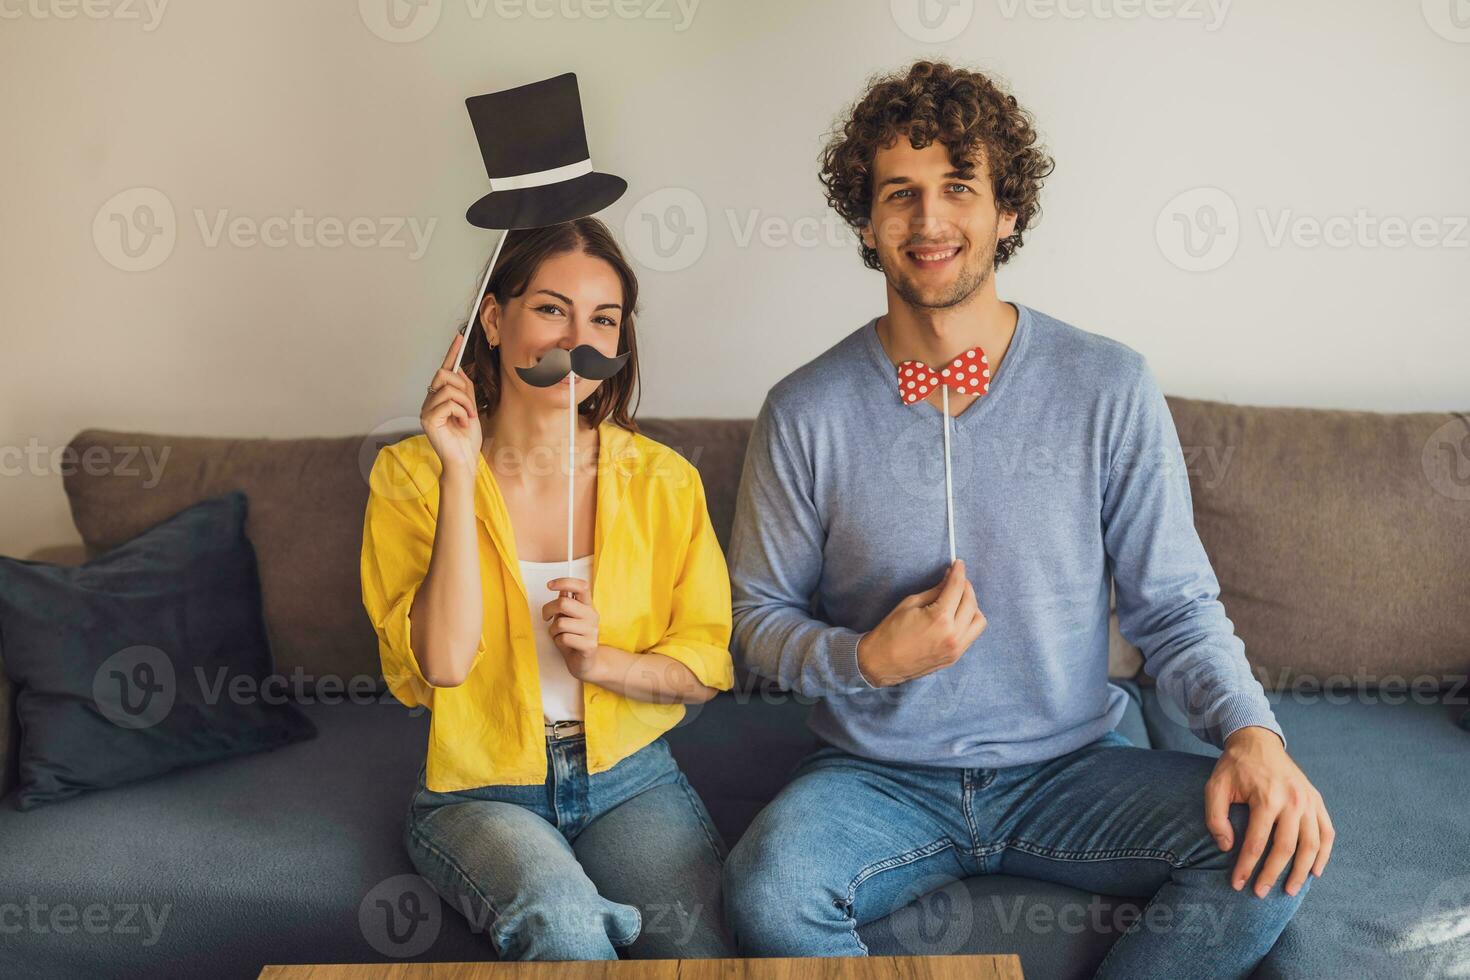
{"x":1300,"y":111}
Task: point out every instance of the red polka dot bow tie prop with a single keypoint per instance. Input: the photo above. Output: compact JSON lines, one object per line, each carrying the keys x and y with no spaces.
{"x":967,"y":374}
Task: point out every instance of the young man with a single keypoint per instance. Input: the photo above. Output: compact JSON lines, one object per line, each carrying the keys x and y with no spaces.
{"x":965,"y":708}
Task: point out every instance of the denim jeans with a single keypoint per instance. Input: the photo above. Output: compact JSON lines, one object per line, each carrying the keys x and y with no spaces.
{"x":850,"y":840}
{"x":581,"y":867}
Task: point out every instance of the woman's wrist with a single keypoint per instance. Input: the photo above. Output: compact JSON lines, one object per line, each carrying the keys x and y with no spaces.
{"x":456,"y":478}
{"x":600,"y":666}
{"x":650,"y":677}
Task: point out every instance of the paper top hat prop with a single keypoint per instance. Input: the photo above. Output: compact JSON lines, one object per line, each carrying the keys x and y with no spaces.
{"x":535,"y":151}
{"x":968,"y":373}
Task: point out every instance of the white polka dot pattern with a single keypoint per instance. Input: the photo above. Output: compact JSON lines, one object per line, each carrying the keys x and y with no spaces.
{"x":967,"y":374}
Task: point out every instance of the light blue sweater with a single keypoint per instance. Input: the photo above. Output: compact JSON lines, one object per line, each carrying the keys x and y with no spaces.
{"x":1068,"y":471}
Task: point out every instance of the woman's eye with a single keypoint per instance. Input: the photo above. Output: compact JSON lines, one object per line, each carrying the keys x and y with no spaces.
{"x":607,"y":321}
{"x":548,"y":308}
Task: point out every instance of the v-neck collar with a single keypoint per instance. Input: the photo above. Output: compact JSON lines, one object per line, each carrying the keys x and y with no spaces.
{"x":979,"y":406}
{"x":615,"y":450}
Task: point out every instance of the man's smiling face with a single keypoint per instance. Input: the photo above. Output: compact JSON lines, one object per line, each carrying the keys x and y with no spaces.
{"x":934,"y":226}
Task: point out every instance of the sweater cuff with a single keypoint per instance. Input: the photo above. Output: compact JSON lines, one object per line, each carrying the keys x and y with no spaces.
{"x":1240,"y":715}
{"x":845,"y":662}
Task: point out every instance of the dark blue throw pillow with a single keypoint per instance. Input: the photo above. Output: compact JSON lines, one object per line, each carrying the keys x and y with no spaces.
{"x":149,"y":658}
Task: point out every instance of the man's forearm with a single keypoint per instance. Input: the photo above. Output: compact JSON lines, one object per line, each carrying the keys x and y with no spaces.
{"x":802,"y":654}
{"x":1202,"y":672}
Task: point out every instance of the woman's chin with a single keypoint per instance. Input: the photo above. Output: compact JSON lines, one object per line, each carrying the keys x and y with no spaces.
{"x":557,"y":393}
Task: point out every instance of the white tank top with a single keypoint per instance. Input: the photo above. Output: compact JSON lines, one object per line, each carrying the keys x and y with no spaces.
{"x":561,"y":693}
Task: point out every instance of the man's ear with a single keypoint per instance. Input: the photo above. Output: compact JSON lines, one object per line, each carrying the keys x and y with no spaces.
{"x":1006,"y":227}
{"x":490,"y":319}
{"x":866,"y":232}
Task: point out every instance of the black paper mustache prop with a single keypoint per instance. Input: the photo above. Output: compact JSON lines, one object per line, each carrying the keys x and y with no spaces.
{"x":584,"y":360}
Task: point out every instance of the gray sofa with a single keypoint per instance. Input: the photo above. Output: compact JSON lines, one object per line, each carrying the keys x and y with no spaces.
{"x":1341,"y":540}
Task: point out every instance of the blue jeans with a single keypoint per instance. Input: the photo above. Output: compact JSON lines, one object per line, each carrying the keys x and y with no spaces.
{"x":581,"y":866}
{"x":850,"y":840}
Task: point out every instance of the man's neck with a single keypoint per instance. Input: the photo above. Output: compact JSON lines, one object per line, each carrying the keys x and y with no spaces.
{"x":935,"y":335}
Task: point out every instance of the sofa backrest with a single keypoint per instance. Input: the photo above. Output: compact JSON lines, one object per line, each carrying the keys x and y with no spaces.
{"x":306,"y":502}
{"x":1341,"y":539}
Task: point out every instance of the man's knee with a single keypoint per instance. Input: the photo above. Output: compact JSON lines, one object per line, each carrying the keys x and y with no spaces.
{"x":755,"y":898}
{"x":1223,"y":864}
{"x":770,"y":901}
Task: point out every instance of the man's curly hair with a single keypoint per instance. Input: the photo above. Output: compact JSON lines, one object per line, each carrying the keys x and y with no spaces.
{"x":962,"y":109}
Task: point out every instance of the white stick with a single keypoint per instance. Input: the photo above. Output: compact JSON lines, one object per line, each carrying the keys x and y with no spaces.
{"x":571,"y":458}
{"x":948,"y":486}
{"x":475,"y":313}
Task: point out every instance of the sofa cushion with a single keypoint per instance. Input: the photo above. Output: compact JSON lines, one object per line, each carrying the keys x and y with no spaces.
{"x":307,"y":500}
{"x":291,"y":856}
{"x":69,"y":555}
{"x":1395,"y":898}
{"x":148,"y":659}
{"x":226,"y":867}
{"x":1341,"y":539}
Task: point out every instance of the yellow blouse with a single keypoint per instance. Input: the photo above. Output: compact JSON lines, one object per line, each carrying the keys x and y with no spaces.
{"x":660,"y":585}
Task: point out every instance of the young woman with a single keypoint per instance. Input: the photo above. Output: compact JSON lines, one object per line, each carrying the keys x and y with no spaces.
{"x":549,"y":810}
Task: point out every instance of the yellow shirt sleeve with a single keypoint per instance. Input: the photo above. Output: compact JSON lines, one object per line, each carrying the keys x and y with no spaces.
{"x":397,"y":543}
{"x":699,"y":625}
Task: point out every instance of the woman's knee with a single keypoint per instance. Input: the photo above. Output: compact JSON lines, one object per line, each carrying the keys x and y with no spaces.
{"x":531,"y":901}
{"x":563,"y":921}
